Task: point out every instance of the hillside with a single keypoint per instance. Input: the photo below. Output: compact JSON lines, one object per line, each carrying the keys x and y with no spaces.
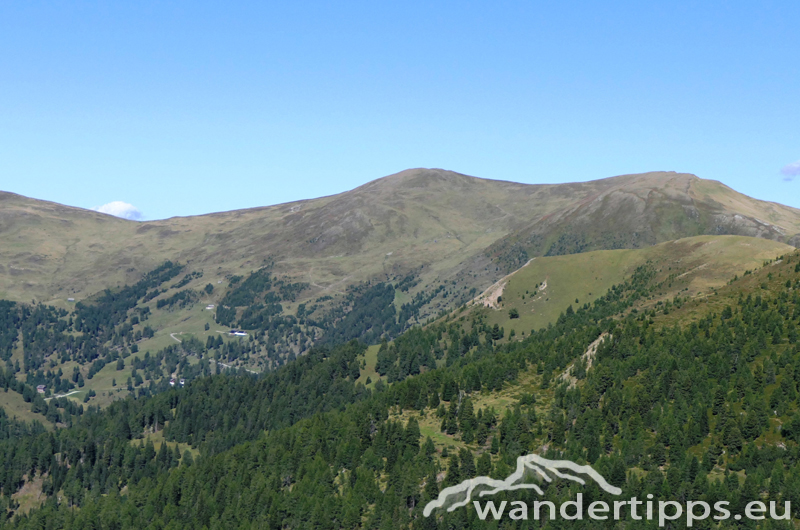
{"x":636,"y":211}
{"x":438,"y":224}
{"x":398,"y":223}
{"x":541,"y":290}
{"x":593,"y":328}
{"x":696,"y":399}
{"x":366,"y":264}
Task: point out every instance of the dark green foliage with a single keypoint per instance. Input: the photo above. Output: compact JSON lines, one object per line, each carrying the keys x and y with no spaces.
{"x":186,"y":279}
{"x":9,"y":325}
{"x":261,"y":295}
{"x":307,"y":447}
{"x":181,"y":299}
{"x":314,"y":383}
{"x":372,"y":316}
{"x":97,"y":332}
{"x":95,"y":335}
{"x":111,"y":308}
{"x":367,"y":313}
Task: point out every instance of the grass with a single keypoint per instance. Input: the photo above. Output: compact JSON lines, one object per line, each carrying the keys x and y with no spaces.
{"x":440,"y":224}
{"x":434,"y":219}
{"x":715,"y":300}
{"x":697,"y":265}
{"x":728,"y":255}
{"x":437,"y":223}
{"x":16,"y":407}
{"x":528,"y":382}
{"x":102,"y":384}
{"x":191,"y":320}
{"x":183,"y":323}
{"x":400,"y":298}
{"x":158,"y":440}
{"x":30,"y":495}
{"x":580,"y":277}
{"x":370,"y":359}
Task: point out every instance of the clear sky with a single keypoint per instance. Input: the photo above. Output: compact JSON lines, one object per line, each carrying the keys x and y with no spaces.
{"x":182,"y":108}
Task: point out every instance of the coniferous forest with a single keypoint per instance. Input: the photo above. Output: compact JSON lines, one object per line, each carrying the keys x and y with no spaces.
{"x":695,"y":399}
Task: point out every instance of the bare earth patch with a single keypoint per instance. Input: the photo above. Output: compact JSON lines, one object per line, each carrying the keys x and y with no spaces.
{"x":587,"y":357}
{"x":30,"y":495}
{"x":489,"y":297}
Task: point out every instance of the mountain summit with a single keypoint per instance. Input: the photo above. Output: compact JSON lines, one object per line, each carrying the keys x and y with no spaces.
{"x":436,"y":222}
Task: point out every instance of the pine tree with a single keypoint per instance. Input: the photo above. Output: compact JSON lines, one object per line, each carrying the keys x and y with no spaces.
{"x":431,"y":487}
{"x":466,"y":420}
{"x":719,"y":401}
{"x":428,"y":448}
{"x":484,"y":467}
{"x":453,"y":476}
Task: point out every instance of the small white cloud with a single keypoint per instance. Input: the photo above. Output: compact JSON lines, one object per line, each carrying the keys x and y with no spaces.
{"x":790,"y":171}
{"x":120,"y":209}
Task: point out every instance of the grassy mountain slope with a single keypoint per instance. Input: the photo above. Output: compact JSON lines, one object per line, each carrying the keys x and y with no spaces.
{"x":16,"y":407}
{"x":542,"y":290}
{"x":414,"y":218}
{"x":452,"y":234}
{"x":444,"y":222}
{"x":637,"y":211}
{"x":688,"y":267}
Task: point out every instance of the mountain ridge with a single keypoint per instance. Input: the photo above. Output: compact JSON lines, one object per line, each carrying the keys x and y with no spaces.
{"x":436,"y":223}
{"x":683,"y":205}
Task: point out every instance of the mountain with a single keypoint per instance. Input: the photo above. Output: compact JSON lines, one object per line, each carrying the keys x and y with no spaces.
{"x":693,"y":399}
{"x":636,"y":211}
{"x":670,"y":369}
{"x":398,"y":223}
{"x":439,"y":225}
{"x":371,"y":262}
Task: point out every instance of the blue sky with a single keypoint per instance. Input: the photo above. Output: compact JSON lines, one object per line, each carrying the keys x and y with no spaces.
{"x":183,"y":108}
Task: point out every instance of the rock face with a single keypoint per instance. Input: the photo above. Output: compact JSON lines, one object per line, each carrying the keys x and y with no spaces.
{"x":439,"y":224}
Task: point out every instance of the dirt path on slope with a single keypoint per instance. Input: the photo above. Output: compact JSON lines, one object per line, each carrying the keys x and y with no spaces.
{"x":488,"y":298}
